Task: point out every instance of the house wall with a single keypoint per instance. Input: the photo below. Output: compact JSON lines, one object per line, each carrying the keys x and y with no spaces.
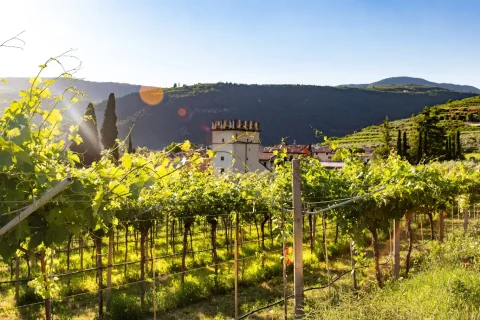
{"x":323,"y":156}
{"x":239,"y":145}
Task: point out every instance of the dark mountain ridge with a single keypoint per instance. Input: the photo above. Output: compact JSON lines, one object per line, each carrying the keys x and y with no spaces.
{"x":284,"y":111}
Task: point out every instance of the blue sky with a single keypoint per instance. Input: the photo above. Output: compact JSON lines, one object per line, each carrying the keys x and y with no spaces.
{"x":249,"y":41}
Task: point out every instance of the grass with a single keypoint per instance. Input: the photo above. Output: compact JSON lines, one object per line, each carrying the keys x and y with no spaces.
{"x":444,"y":292}
{"x":441,"y":287}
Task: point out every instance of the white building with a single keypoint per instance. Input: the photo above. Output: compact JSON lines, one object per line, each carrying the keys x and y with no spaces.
{"x":323,"y":153}
{"x":236,"y":144}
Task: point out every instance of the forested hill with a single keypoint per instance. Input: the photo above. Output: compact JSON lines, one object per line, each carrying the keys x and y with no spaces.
{"x":94,"y":91}
{"x":415,"y":81}
{"x":284,"y":111}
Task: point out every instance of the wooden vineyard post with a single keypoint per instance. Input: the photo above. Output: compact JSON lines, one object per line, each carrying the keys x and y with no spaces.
{"x":236,"y":265}
{"x":396,"y":248}
{"x":441,"y":225}
{"x":297,"y":238}
{"x":465,"y":220}
{"x":111,"y":239}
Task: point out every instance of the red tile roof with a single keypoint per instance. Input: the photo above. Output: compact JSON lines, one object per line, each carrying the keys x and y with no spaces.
{"x":323,"y":149}
{"x":265,"y":156}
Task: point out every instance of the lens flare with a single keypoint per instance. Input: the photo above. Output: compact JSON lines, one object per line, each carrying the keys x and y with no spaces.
{"x":182,"y":112}
{"x":151,"y":95}
{"x":205,"y":128}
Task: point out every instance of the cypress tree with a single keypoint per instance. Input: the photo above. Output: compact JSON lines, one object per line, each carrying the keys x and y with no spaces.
{"x":109,"y":129}
{"x":405,"y":145}
{"x":459,"y":146}
{"x":447,"y":148}
{"x":89,"y":149}
{"x":130,"y":146}
{"x":419,"y":147}
{"x":425,"y":144}
{"x":453,"y":149}
{"x":399,"y":144}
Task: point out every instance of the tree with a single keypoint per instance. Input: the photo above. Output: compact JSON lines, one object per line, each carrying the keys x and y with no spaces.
{"x":89,"y":148}
{"x":109,"y":129}
{"x":425,"y":150}
{"x":433,"y":136}
{"x":453,"y":149}
{"x":384,"y":150}
{"x":386,"y":132}
{"x":130,"y":146}
{"x":447,"y":148}
{"x":174,"y":85}
{"x":400,"y":152}
{"x":419,"y":147}
{"x":405,"y":145}
{"x":458,"y":152}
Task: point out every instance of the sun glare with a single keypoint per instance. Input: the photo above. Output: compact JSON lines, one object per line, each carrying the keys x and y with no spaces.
{"x":151,"y":95}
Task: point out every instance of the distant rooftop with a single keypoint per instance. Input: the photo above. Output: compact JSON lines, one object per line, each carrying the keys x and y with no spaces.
{"x":290,"y":148}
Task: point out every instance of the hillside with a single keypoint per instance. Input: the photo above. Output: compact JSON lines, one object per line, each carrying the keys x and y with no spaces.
{"x":289,"y":111}
{"x":415,"y":81}
{"x":462,"y":115}
{"x":95,"y":91}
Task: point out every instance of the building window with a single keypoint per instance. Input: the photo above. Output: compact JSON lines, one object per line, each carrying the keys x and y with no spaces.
{"x":222,"y":170}
{"x":247,"y":159}
{"x":223,"y":140}
{"x":222,"y":158}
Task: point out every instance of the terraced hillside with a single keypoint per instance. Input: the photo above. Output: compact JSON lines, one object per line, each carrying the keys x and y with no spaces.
{"x":462,"y":115}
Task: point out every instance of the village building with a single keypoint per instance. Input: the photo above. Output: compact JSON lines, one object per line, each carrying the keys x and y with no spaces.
{"x":323,"y":153}
{"x":236,"y":144}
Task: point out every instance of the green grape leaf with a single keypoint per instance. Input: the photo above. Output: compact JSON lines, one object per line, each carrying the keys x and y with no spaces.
{"x":97,"y":201}
{"x":186,"y":145}
{"x":54,"y":116}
